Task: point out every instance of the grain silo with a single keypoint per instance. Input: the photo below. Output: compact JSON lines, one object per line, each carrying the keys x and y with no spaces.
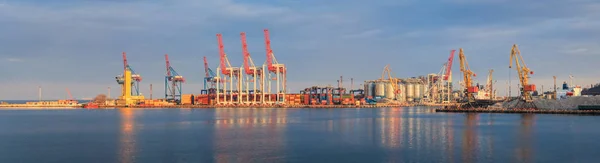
{"x":380,"y":89}
{"x":389,"y":91}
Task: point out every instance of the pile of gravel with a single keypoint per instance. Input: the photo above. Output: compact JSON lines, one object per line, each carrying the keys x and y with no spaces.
{"x":569,"y":103}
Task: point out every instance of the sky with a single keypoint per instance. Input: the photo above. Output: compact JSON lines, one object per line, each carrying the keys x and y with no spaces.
{"x":77,"y":44}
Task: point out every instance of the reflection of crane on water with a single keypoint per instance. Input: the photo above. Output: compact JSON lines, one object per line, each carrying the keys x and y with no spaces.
{"x":470,"y":138}
{"x":524,"y":149}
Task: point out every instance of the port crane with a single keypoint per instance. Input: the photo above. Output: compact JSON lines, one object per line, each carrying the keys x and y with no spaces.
{"x":276,"y":71}
{"x":173,"y":82}
{"x":210,"y":82}
{"x":230,"y":76}
{"x":526,"y":100}
{"x":393,"y":81}
{"x":437,"y":92}
{"x":254,"y":75}
{"x":467,"y":79}
{"x":137,"y":78}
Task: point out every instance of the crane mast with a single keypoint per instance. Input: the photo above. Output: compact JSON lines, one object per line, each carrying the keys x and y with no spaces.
{"x":523,"y":71}
{"x":467,"y":75}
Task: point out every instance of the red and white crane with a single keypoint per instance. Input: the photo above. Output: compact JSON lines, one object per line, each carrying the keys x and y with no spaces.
{"x":276,"y":72}
{"x":252,"y":75}
{"x":229,"y":75}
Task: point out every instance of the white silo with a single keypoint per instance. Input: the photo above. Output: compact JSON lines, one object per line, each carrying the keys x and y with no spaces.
{"x":380,"y":89}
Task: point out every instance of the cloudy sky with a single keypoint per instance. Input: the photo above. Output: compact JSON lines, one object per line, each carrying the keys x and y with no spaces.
{"x":78,"y":43}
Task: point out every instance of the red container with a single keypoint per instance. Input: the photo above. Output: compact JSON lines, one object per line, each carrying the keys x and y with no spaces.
{"x":530,"y":87}
{"x":473,"y":89}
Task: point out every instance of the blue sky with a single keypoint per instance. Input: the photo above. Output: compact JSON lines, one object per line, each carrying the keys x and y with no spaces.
{"x":77,"y":43}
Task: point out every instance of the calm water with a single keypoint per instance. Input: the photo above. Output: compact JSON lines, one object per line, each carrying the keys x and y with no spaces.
{"x":293,"y":135}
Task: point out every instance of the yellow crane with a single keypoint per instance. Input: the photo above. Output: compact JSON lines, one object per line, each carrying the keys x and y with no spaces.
{"x":467,"y":75}
{"x":523,"y":71}
{"x":393,"y":81}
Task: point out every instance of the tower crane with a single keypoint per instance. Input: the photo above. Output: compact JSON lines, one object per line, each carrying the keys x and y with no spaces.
{"x":253,"y":74}
{"x":276,"y":71}
{"x":526,"y":100}
{"x":467,"y":78}
{"x":173,"y":82}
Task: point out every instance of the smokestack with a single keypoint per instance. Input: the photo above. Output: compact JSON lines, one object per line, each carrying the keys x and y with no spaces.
{"x":150,"y":91}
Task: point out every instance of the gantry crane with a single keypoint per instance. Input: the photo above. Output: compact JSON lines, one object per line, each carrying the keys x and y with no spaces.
{"x":228,"y":75}
{"x":393,"y":81}
{"x":173,"y":83}
{"x":467,"y":79}
{"x":253,"y":75}
{"x":277,"y":72}
{"x":209,"y":78}
{"x":137,"y":78}
{"x":526,"y":100}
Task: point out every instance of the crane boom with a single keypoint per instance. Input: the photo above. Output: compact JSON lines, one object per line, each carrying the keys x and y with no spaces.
{"x":449,"y":64}
{"x":467,"y":75}
{"x":70,"y":95}
{"x":206,"y":67}
{"x":125,"y":61}
{"x":393,"y":81}
{"x":523,"y":71}
{"x":269,"y":51}
{"x":222,"y":55}
{"x":247,"y":58}
{"x":168,"y":65}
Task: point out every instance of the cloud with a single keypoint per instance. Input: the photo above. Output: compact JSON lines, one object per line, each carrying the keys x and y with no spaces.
{"x":14,"y":60}
{"x":317,"y":40}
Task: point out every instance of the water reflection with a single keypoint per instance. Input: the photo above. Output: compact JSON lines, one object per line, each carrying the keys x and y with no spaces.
{"x":470,"y":139}
{"x":391,"y":128}
{"x":127,"y":135}
{"x":248,"y":135}
{"x":524,"y":149}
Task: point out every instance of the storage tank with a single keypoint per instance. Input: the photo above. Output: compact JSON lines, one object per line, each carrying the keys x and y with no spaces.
{"x":401,"y":96}
{"x":368,"y":90}
{"x":417,"y":91}
{"x":371,"y":89}
{"x":380,"y":89}
{"x":389,"y":91}
{"x":410,"y":90}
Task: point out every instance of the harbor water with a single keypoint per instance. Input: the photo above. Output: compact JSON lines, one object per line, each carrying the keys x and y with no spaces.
{"x":408,"y":134}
